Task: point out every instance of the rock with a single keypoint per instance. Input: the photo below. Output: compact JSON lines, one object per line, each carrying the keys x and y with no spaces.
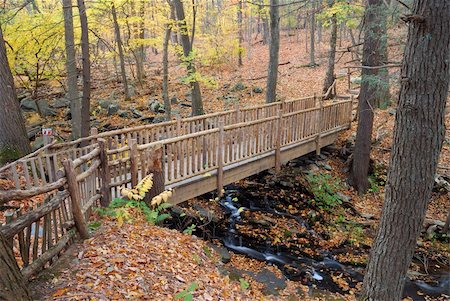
{"x":174,"y":100}
{"x":238,"y":87}
{"x":45,"y":108}
{"x":225,"y":256}
{"x":392,"y":111}
{"x":37,"y":143}
{"x":104,"y":104}
{"x":367,"y":215}
{"x":61,"y":102}
{"x":159,"y":119}
{"x":113,"y":109}
{"x":185,"y":104}
{"x":327,"y":167}
{"x":257,"y":90}
{"x":286,"y":184}
{"x":206,"y":213}
{"x":28,"y":105}
{"x":122,"y":113}
{"x":136,"y":113}
{"x":322,"y":156}
{"x":175,"y":112}
{"x":148,"y":119}
{"x":155,"y":106}
{"x":272,"y":284}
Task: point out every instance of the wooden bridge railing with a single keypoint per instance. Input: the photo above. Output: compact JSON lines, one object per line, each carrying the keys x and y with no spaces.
{"x":67,"y":181}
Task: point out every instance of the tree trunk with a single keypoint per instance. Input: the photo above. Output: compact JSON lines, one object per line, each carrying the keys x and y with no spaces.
{"x":312,"y":60}
{"x":240,"y":33}
{"x":418,"y":136}
{"x":12,"y":285}
{"x":121,"y":56}
{"x":197,"y":105}
{"x":72,"y":73}
{"x":86,"y":101}
{"x":383,"y":95}
{"x":165,"y":83}
{"x":14,"y":141}
{"x":367,"y":96}
{"x":329,"y":77}
{"x":274,"y":47}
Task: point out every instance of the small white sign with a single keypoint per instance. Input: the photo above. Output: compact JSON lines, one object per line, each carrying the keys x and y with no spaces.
{"x":47,"y":132}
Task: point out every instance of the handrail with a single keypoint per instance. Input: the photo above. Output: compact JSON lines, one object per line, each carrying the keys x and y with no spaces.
{"x":18,"y":194}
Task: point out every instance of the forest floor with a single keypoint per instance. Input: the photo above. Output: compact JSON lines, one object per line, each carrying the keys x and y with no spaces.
{"x":140,"y":261}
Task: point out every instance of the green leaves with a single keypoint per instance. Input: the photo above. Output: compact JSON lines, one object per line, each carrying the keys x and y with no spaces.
{"x":324,"y":188}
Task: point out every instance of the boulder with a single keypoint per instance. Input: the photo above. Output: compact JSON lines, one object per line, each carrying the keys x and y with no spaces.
{"x":257,"y":90}
{"x":159,"y":119}
{"x":113,"y":109}
{"x":238,"y":87}
{"x":122,"y":113}
{"x":155,"y":106}
{"x":174,"y":100}
{"x":61,"y":102}
{"x":105,"y":103}
{"x":136,"y":113}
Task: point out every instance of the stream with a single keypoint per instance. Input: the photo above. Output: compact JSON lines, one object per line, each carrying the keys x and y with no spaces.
{"x":248,"y":217}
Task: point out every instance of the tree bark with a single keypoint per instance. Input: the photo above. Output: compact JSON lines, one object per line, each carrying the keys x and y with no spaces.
{"x":72,"y":73}
{"x":383,"y":95}
{"x":274,"y":47}
{"x":123,"y":73}
{"x":312,"y":24}
{"x":165,"y":83}
{"x":12,"y":285}
{"x":240,"y":33}
{"x":14,"y":141}
{"x":367,"y":96}
{"x":86,"y":101}
{"x":197,"y":104}
{"x":329,"y":77}
{"x":418,"y":137}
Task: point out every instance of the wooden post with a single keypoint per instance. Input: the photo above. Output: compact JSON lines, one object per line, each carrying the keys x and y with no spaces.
{"x":236,"y":107}
{"x":178,"y":118}
{"x":105,"y":174}
{"x":9,"y":216}
{"x":75,"y":197}
{"x":319,"y":125}
{"x":278,"y":142}
{"x":350,"y":117}
{"x":220,"y":160}
{"x":315,"y":99}
{"x":348,"y":79}
{"x":155,"y":166}
{"x":133,"y":162}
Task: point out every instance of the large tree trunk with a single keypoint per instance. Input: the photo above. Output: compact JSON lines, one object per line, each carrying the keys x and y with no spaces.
{"x":197,"y":105}
{"x":72,"y":73}
{"x":165,"y":83}
{"x":12,"y":284}
{"x":368,"y":94}
{"x":13,"y":138}
{"x":274,"y":47}
{"x":121,"y":56}
{"x":329,"y":77}
{"x":418,"y":136}
{"x":312,"y":27}
{"x":86,"y":102}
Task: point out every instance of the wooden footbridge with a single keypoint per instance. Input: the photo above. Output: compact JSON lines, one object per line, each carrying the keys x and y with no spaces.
{"x":193,"y":156}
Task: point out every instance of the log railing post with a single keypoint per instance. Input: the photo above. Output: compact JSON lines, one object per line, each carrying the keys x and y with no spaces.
{"x":178,"y":118}
{"x":348,"y":79}
{"x":238,"y":112}
{"x":350,"y":113}
{"x":319,"y":127}
{"x":75,"y":197}
{"x":220,"y":159}
{"x":133,"y":162}
{"x":105,"y":175}
{"x":278,"y":142}
{"x":155,"y":166}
